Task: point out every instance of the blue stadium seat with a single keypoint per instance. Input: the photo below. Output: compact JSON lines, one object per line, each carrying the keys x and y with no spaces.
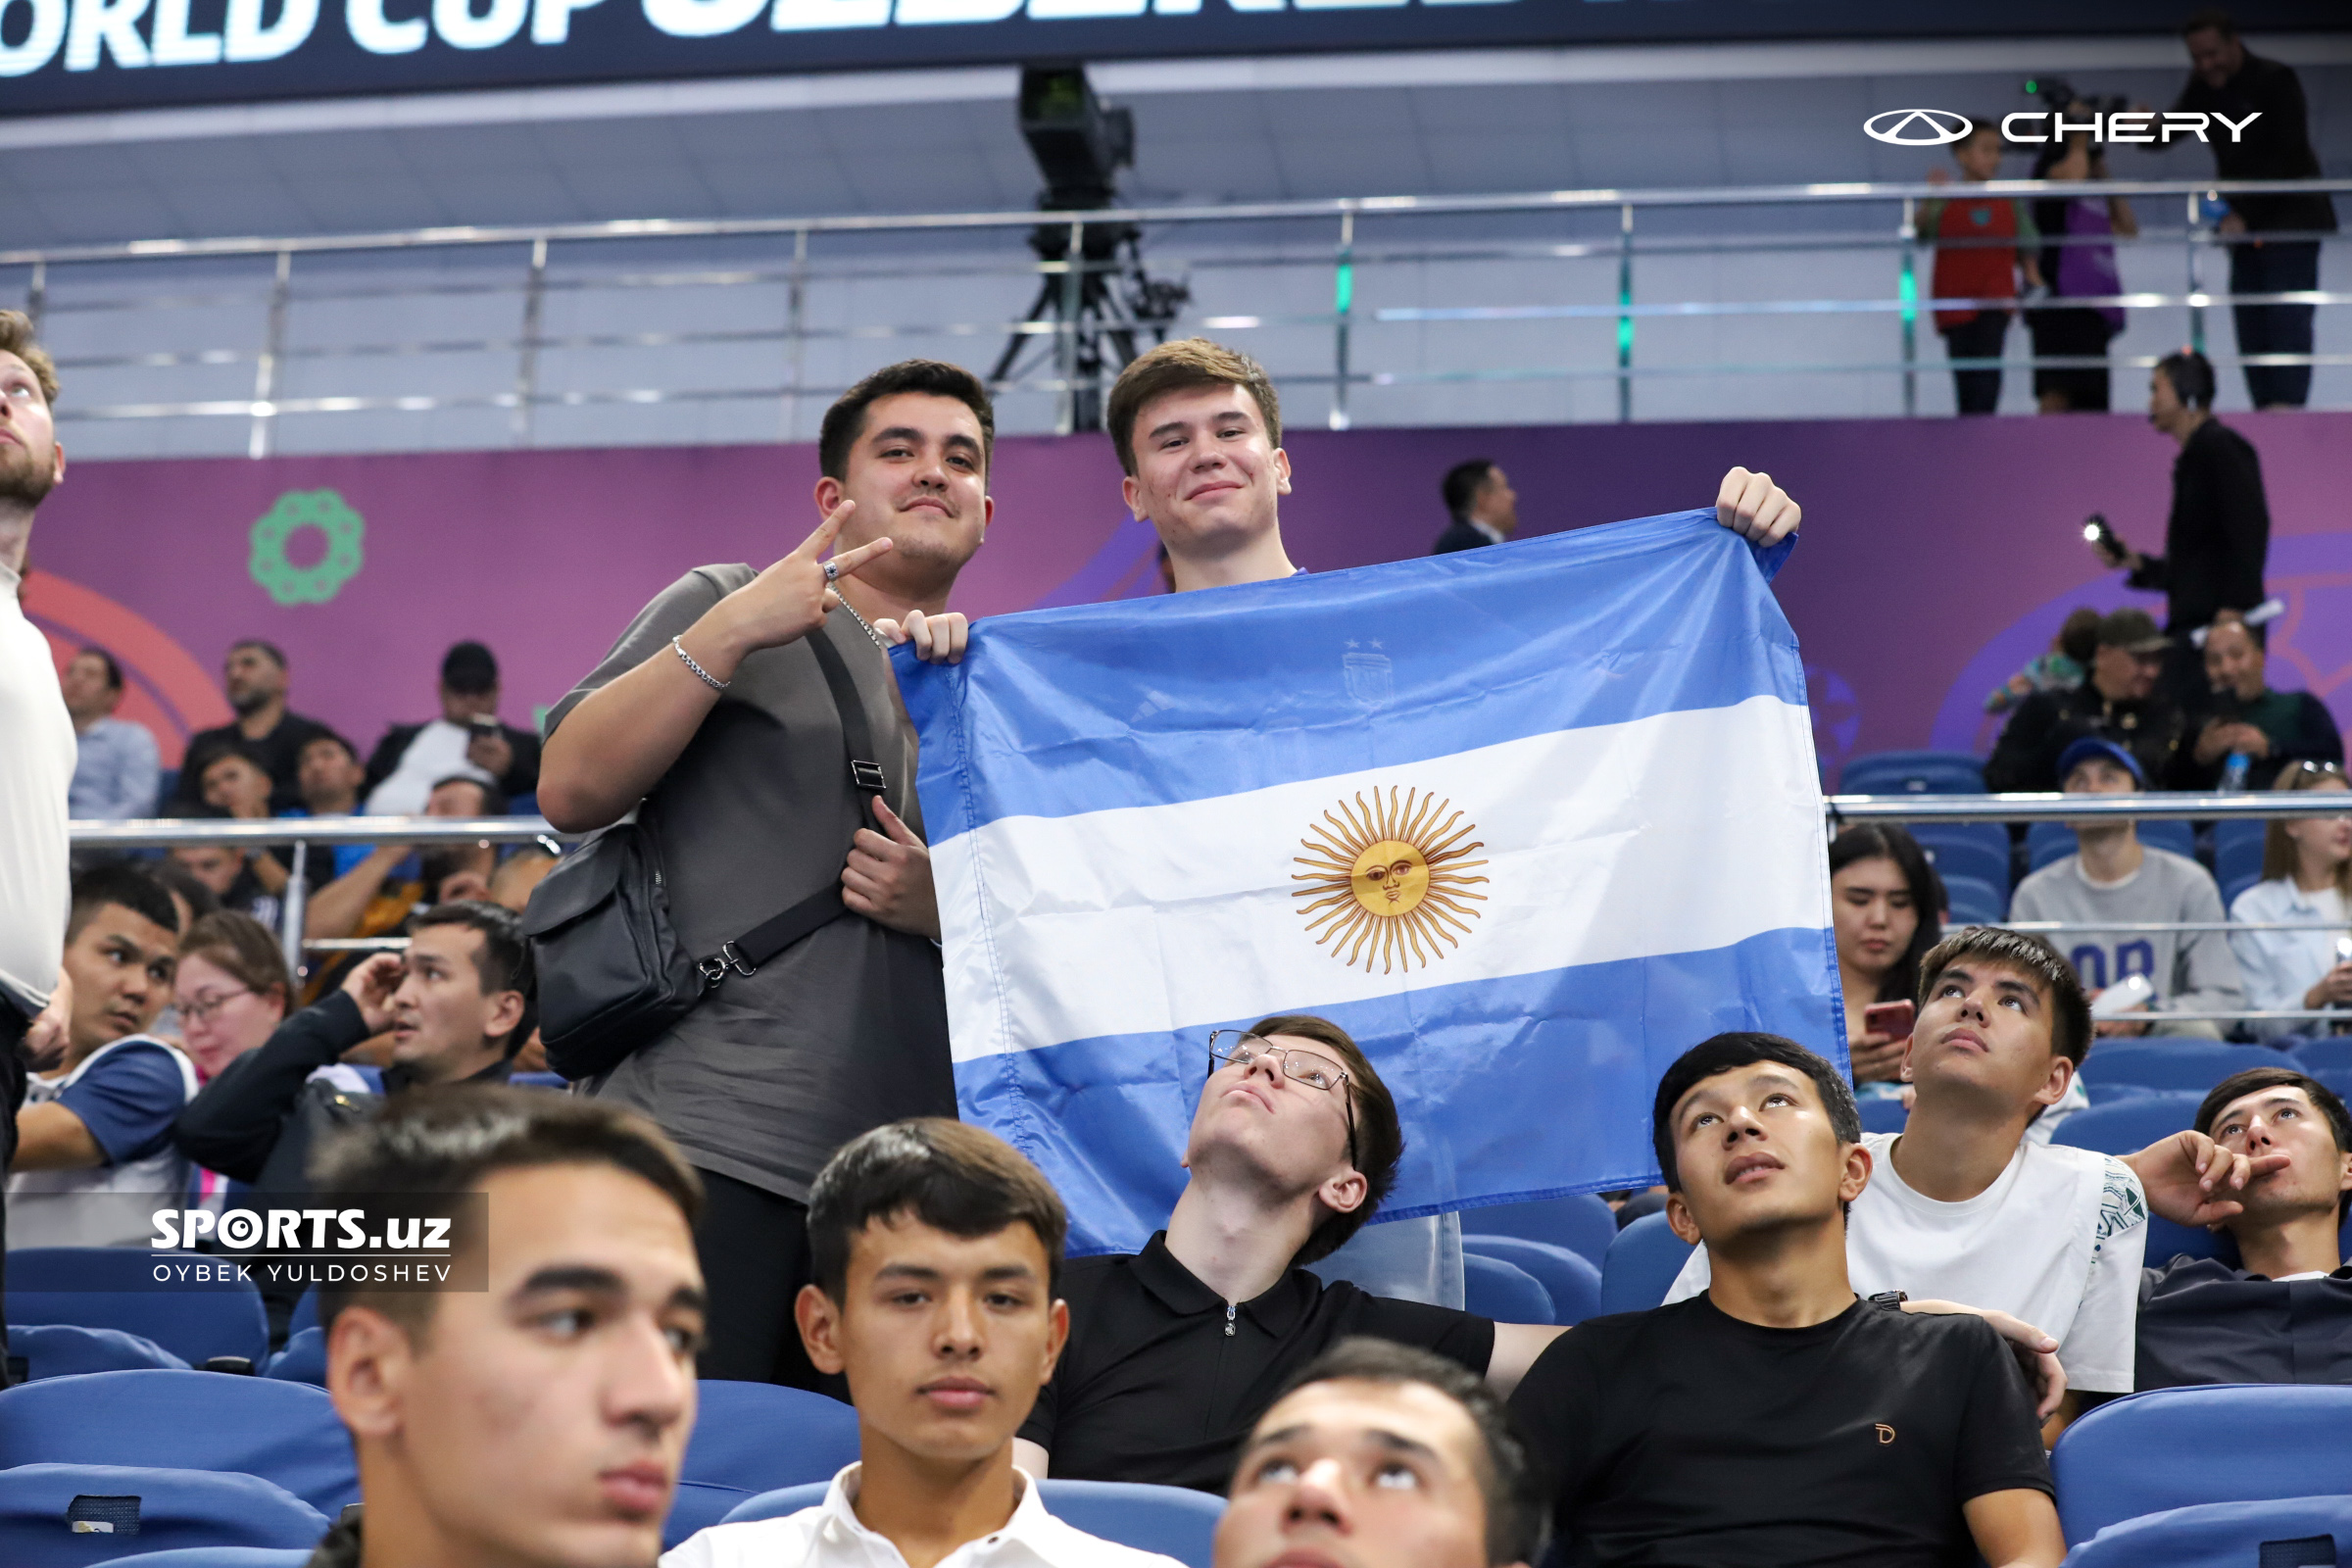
{"x":2235,"y":885}
{"x":114,"y":1287}
{"x":115,"y":1505}
{"x":306,"y":1312}
{"x":541,"y":1080}
{"x":167,"y":786}
{"x":750,"y":1437}
{"x":286,"y":1433}
{"x":1967,"y":849}
{"x":2238,"y":847}
{"x":2127,"y":1126}
{"x":2322,"y":1054}
{"x":1884,"y":1114}
{"x":1174,"y":1521}
{"x":2167,"y":1241}
{"x":1503,"y":1292}
{"x":1972,"y":900}
{"x":2276,"y":1531}
{"x":213,"y":1558}
{"x":2103,"y":1093}
{"x":1641,"y":1264}
{"x":1580,"y":1222}
{"x":303,"y":1361}
{"x":2055,"y":841}
{"x":60,"y":1349}
{"x":1572,"y":1280}
{"x":2149,"y":1453}
{"x":2173,"y":1064}
{"x":1913,"y":773}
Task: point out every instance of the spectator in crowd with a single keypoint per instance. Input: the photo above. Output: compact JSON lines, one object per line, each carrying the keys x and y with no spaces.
{"x":235,"y":784}
{"x":367,"y":902}
{"x":1381,"y":1456}
{"x":457,"y":1004}
{"x":2284,"y":1314}
{"x":221,"y":871}
{"x":2306,"y":876}
{"x":2062,"y":668}
{"x":36,"y":764}
{"x":716,"y":717}
{"x":1882,"y":907}
{"x":2114,"y":877}
{"x":115,"y":770}
{"x":188,"y":892}
{"x":1173,"y":1351}
{"x":1982,"y":244}
{"x":330,"y":775}
{"x":467,"y":739}
{"x":1964,"y":1207}
{"x":540,"y":1422}
{"x":2217,"y":539}
{"x":2245,"y":717}
{"x":936,"y":1254}
{"x":518,"y":874}
{"x":94,"y":1138}
{"x":2080,"y":263}
{"x":254,"y":677}
{"x":1724,"y":1428}
{"x":1483,"y":506}
{"x":232,"y":991}
{"x":2119,"y":703}
{"x":1204,"y":465}
{"x":2275,"y":244}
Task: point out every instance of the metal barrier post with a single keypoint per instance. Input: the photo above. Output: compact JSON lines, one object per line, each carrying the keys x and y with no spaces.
{"x":273,"y":347}
{"x":2196,"y":311}
{"x":1910,"y":296}
{"x":1625,"y":319}
{"x":294,"y":908}
{"x":1065,"y":346}
{"x":526,"y":370}
{"x":36,"y":294}
{"x":1343,"y":300}
{"x":795,"y":323}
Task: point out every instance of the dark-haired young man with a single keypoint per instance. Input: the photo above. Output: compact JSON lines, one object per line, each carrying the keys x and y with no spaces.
{"x":1779,"y":1417}
{"x":2284,"y":1314}
{"x":1199,"y":432}
{"x":1175,"y":1350}
{"x":540,"y":1422}
{"x":467,"y":739}
{"x":459,"y":1003}
{"x":1483,"y":506}
{"x":1379,"y":1455}
{"x":1963,"y":1206}
{"x":115,"y":768}
{"x":937,"y":1255}
{"x":715,"y":716}
{"x":254,"y":677}
{"x":94,"y":1138}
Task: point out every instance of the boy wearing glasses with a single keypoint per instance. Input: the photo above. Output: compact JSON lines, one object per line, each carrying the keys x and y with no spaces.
{"x":1175,"y":1351}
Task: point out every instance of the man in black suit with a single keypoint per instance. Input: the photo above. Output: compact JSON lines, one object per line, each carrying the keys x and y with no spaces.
{"x":467,"y":739}
{"x":1482,"y":504}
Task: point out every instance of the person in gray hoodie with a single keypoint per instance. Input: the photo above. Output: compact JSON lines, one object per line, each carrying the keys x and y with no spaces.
{"x":2114,"y":877}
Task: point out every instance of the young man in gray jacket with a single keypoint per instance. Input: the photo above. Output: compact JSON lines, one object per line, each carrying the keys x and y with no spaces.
{"x":2114,"y":877}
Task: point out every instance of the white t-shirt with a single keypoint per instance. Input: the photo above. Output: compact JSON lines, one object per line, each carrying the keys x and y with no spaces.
{"x":437,"y":752}
{"x":830,"y":1535}
{"x":2056,"y":1240}
{"x":38,"y":751}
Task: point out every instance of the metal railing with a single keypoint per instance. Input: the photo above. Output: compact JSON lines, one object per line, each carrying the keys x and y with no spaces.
{"x":301,"y":833}
{"x":1344,"y":242}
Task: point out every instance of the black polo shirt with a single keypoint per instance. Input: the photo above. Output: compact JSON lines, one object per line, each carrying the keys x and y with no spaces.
{"x":2202,"y":1321}
{"x":1162,"y":1380}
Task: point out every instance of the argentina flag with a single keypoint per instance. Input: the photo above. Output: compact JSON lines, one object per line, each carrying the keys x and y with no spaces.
{"x":1527,"y":821}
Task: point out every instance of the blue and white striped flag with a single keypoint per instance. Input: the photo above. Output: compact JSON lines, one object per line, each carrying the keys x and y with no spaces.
{"x":1528,"y":821}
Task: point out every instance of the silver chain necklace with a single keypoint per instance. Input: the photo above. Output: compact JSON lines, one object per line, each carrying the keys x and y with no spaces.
{"x":862,"y":625}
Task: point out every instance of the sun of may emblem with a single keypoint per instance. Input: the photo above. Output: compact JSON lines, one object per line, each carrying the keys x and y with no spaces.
{"x":1385,"y":879}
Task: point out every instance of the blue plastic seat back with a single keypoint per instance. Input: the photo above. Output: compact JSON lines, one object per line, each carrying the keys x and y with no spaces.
{"x":750,"y":1437}
{"x":2127,"y":1126}
{"x":2324,"y":1053}
{"x":2233,"y":886}
{"x":2148,"y":1453}
{"x":303,"y":1361}
{"x":1884,"y":1114}
{"x":1579,"y":1221}
{"x":2103,"y":1093}
{"x":306,"y":1312}
{"x":213,"y":1558}
{"x":541,"y":1080}
{"x":1571,"y":1280}
{"x":1641,"y":1264}
{"x":1972,"y":900}
{"x":1175,"y":1521}
{"x":2238,"y":847}
{"x":2274,"y":1532}
{"x":60,"y":1349}
{"x":192,"y":1315}
{"x":2181,"y":1066}
{"x":286,"y":1433}
{"x":2055,"y":841}
{"x":71,"y":1515}
{"x":1503,"y":1292}
{"x":1967,"y":849}
{"x":1912,"y":774}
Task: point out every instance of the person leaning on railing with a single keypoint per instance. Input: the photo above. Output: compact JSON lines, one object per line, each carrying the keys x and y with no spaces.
{"x":2306,"y":876}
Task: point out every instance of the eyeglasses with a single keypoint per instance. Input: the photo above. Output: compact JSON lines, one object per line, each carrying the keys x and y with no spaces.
{"x":200,"y":1009}
{"x":1242,"y":1049}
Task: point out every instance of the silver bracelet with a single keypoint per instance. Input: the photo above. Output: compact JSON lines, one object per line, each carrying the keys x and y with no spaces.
{"x":700,"y":674}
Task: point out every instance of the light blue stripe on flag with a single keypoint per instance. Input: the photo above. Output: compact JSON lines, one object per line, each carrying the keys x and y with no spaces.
{"x":1528,"y":821}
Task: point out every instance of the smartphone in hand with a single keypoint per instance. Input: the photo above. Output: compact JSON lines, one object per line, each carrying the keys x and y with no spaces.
{"x":1893,"y":1019}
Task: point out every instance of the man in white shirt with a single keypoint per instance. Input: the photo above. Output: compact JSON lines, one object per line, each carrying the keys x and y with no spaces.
{"x":467,"y":741}
{"x":937,"y":1255}
{"x":1963,"y":1206}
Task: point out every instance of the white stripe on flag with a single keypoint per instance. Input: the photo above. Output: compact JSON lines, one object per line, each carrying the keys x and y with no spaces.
{"x":1677,"y":833}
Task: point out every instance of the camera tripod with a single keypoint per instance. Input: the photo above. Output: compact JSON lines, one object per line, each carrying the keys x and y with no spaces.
{"x":1117,"y":301}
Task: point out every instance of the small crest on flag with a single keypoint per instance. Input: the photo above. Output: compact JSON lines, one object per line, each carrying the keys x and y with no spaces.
{"x":1386,"y":878}
{"x":1370,"y":680}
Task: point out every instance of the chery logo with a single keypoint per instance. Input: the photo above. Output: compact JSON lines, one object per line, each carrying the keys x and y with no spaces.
{"x":1934,"y":127}
{"x":1918,"y":127}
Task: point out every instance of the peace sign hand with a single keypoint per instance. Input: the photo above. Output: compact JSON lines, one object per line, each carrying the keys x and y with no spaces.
{"x":789,"y":600}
